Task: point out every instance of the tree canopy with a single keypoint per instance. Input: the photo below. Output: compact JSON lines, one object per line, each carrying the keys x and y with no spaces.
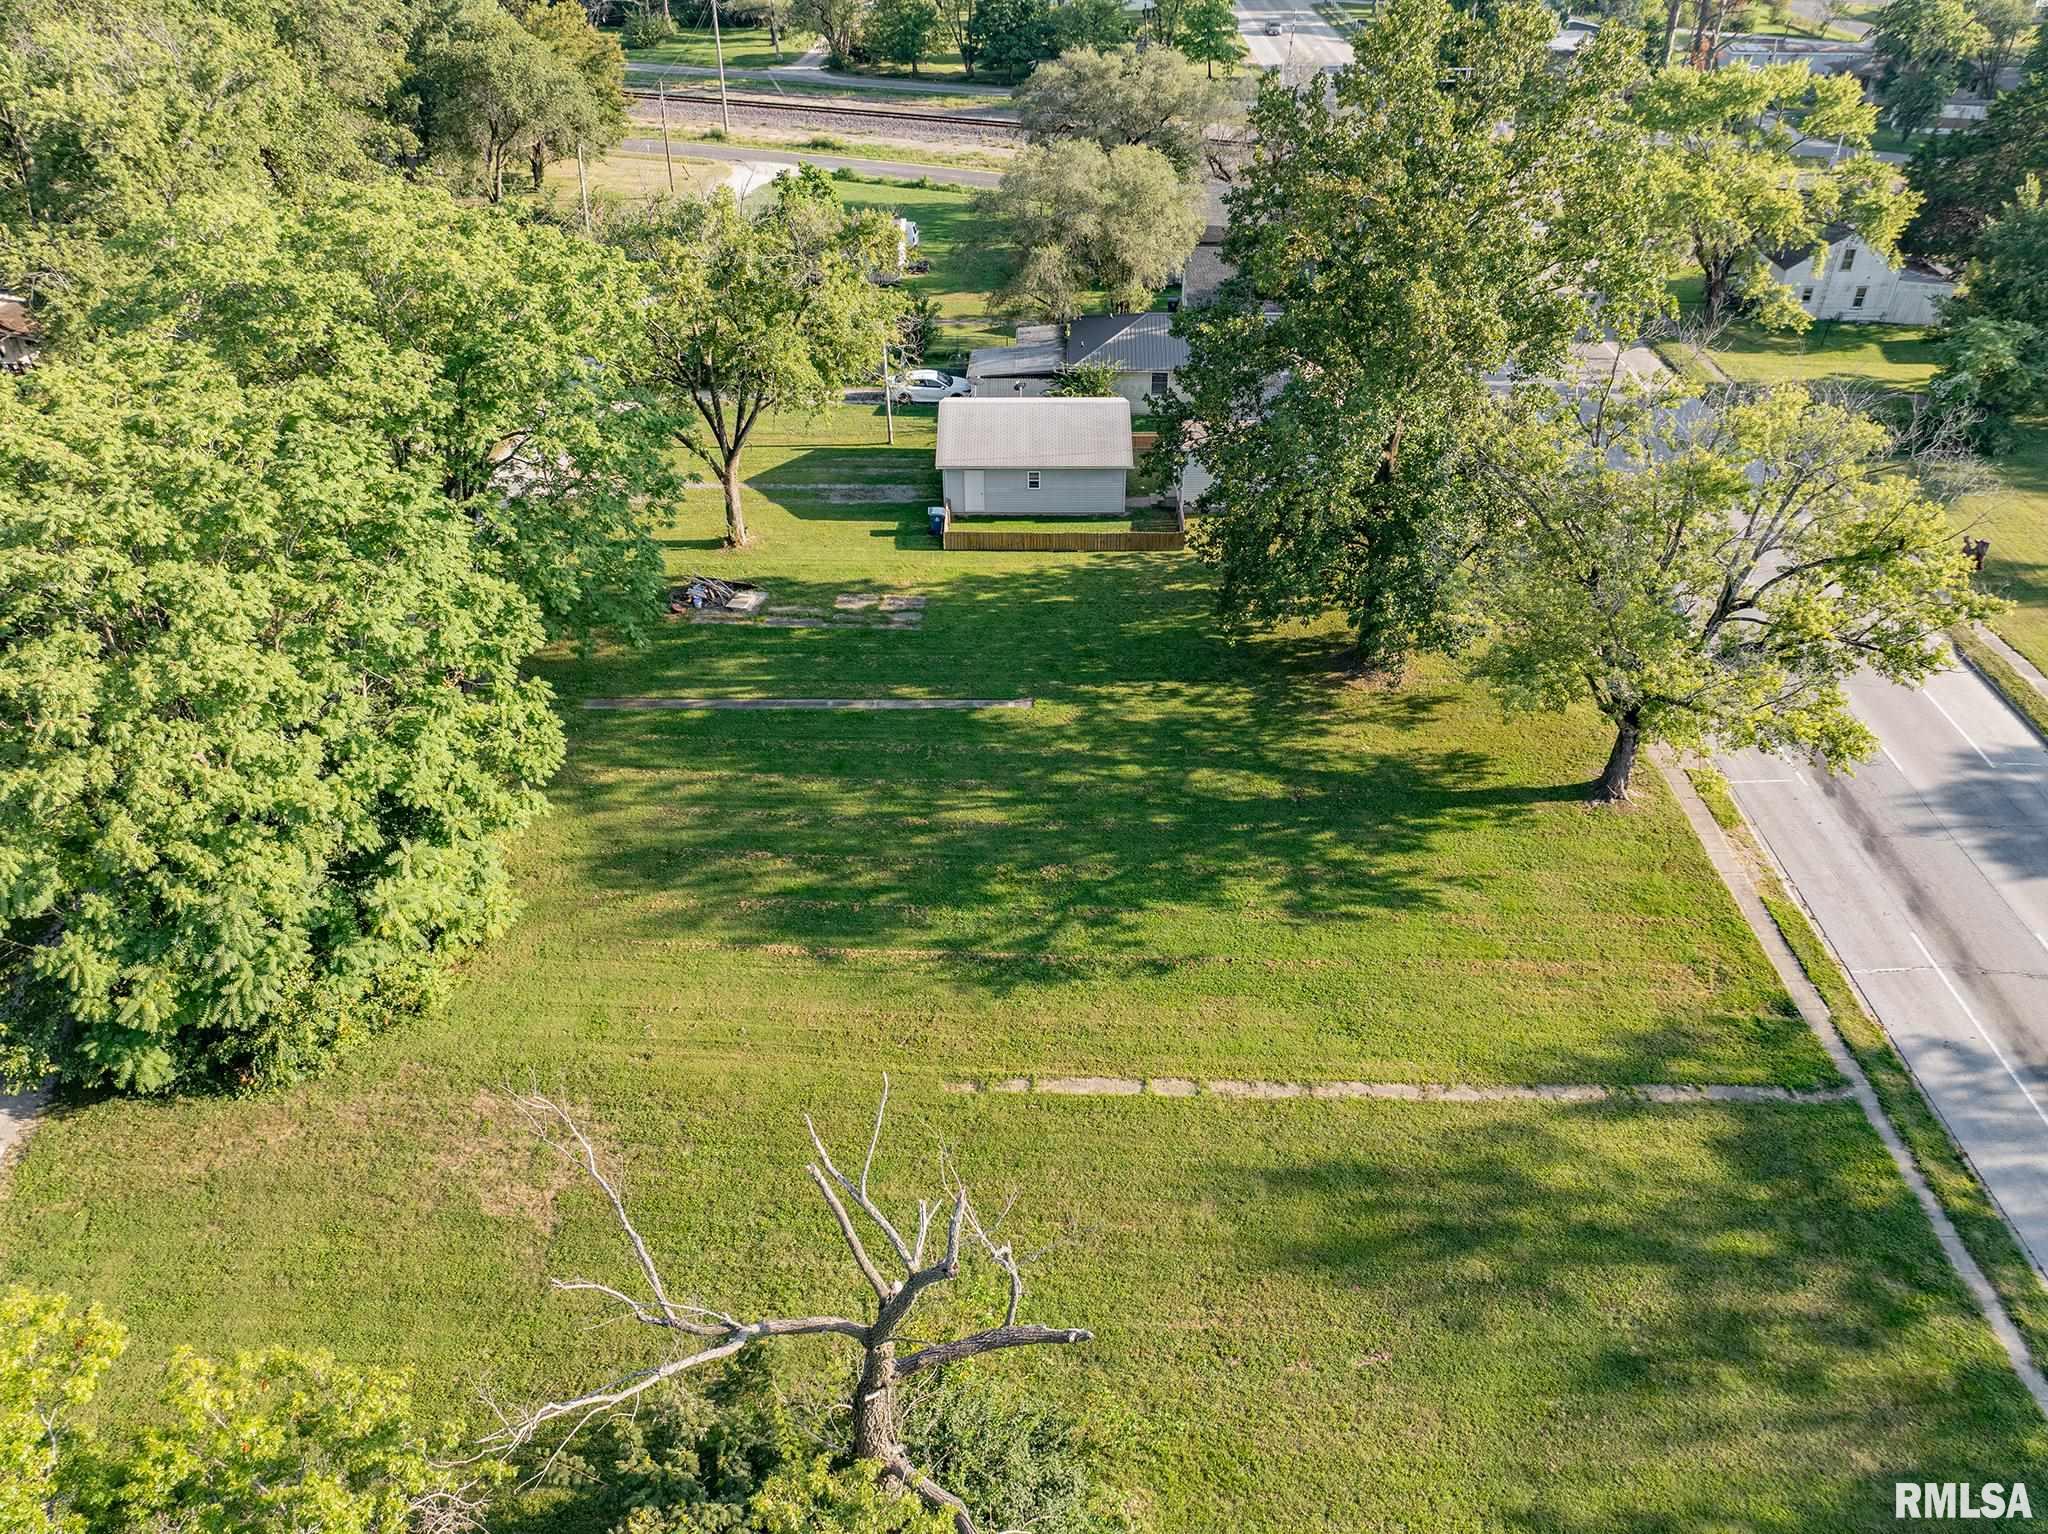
{"x":1926,"y":47}
{"x":1964,"y":179}
{"x":1709,"y":574}
{"x":1079,"y":217}
{"x":1994,"y":334}
{"x":1454,"y":203}
{"x":1732,"y":188}
{"x":267,"y":722}
{"x":750,"y":315}
{"x":1124,"y":96}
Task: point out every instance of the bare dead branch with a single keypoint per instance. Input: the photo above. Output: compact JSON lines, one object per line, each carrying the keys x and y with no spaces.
{"x":877,"y":1430}
{"x":990,"y":1341}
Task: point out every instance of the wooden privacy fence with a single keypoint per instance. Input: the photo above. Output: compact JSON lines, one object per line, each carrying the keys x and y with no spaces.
{"x":996,"y":540}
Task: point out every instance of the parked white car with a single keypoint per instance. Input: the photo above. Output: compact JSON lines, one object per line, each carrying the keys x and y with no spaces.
{"x":927,"y":386}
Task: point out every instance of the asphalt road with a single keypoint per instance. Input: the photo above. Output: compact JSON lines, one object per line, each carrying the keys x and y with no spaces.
{"x":1928,"y":872}
{"x":1307,"y":42}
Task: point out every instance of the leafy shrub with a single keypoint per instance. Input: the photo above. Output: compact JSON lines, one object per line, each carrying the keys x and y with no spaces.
{"x":647,"y":31}
{"x":1016,"y":1465}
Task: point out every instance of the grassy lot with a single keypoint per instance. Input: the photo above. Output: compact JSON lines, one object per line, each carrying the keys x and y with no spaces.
{"x":1189,"y":858}
{"x":750,"y":48}
{"x":966,"y":268}
{"x":636,"y":177}
{"x":745,"y":48}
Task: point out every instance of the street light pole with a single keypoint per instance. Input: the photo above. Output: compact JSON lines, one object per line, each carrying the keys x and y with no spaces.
{"x":666,"y":158}
{"x":718,"y":46}
{"x":888,"y":400}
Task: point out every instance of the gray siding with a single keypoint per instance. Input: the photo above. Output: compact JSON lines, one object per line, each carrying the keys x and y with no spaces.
{"x":1060,"y":492}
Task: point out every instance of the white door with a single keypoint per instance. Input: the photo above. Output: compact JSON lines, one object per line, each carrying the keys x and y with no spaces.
{"x":975,"y":502}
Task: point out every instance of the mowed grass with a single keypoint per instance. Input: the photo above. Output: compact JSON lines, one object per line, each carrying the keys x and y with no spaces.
{"x":1188,"y":858}
{"x":966,"y":265}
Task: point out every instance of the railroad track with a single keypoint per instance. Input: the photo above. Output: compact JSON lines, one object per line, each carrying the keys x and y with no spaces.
{"x":697,"y":95}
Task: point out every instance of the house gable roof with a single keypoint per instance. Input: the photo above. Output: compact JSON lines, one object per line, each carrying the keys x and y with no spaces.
{"x":1043,"y":433}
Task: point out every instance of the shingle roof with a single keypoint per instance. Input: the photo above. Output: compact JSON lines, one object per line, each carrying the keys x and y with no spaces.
{"x":1034,"y":433}
{"x":1130,"y":343}
{"x":1792,"y":255}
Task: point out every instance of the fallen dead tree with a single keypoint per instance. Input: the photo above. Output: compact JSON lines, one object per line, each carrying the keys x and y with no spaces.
{"x":706,"y":1335}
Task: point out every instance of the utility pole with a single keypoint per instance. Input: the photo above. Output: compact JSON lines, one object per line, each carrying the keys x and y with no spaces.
{"x":718,"y":46}
{"x":888,"y":399}
{"x":666,"y":158}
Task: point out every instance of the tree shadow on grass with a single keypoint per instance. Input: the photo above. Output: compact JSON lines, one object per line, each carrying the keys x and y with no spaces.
{"x":1786,"y":1293}
{"x":1171,"y":804}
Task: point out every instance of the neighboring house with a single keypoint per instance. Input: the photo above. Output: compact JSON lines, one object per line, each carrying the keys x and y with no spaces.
{"x":1860,"y":285}
{"x":1034,"y":457}
{"x":18,"y":333}
{"x":1140,"y":347}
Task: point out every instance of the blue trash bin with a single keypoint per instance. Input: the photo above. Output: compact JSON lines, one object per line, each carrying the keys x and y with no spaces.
{"x":935,"y":519}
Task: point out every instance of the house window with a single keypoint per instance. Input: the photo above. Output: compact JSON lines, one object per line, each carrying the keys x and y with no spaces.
{"x":1161,"y":382}
{"x":1806,"y":295}
{"x":1849,"y":258}
{"x":1031,"y":479}
{"x":1857,"y":301}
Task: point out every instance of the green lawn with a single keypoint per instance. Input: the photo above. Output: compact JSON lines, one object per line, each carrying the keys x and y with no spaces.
{"x":2015,"y":519}
{"x":1190,"y":858}
{"x":635,"y":177}
{"x":966,"y":266}
{"x":745,"y":48}
{"x":750,"y":48}
{"x":1895,"y":356}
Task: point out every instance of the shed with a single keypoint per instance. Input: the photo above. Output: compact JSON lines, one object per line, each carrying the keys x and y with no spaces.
{"x":1034,"y":457}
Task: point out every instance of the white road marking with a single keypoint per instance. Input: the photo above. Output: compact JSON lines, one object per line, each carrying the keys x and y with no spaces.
{"x":1996,"y":1052}
{"x":1800,"y":778}
{"x":1930,"y":697}
{"x":1887,"y":750}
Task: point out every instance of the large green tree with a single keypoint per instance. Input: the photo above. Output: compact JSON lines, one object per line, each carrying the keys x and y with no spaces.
{"x":1965,"y":178}
{"x":265,"y":722}
{"x":1925,"y":47}
{"x":1078,"y":217}
{"x":1010,"y":37}
{"x":487,"y":91}
{"x":756,"y":314}
{"x":1210,"y":35}
{"x":1994,"y":335}
{"x":1154,"y":97}
{"x":1454,"y":203}
{"x":902,"y":31}
{"x":526,"y":339}
{"x":590,"y":120}
{"x":1732,"y":186}
{"x":1709,"y":576}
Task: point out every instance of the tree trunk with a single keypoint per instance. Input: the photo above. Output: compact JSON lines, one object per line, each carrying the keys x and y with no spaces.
{"x":1670,"y":33}
{"x":735,"y":514}
{"x":874,"y":1406}
{"x":1713,"y":290}
{"x":1612,"y":788}
{"x":539,"y":165}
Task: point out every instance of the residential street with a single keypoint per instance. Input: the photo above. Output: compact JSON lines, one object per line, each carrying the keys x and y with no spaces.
{"x":1928,"y":871}
{"x":1307,"y":42}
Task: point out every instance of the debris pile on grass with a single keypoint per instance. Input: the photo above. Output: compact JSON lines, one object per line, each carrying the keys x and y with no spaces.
{"x":700,"y":592}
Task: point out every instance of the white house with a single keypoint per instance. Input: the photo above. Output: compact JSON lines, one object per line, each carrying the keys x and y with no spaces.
{"x":1034,"y":457}
{"x":1140,"y":347}
{"x":18,"y":333}
{"x":1859,"y":285}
